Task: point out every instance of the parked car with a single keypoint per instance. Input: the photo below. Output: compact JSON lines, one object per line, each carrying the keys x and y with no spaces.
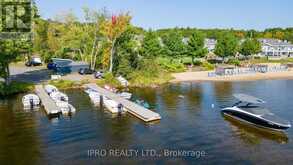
{"x":35,"y":61}
{"x":51,"y":66}
{"x":99,"y":74}
{"x":84,"y":71}
{"x":62,"y":70}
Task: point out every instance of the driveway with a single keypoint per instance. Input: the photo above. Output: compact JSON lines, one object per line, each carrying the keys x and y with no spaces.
{"x":23,"y":73}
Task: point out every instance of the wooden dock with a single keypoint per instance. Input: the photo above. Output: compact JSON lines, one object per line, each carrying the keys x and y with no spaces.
{"x":133,"y":108}
{"x":49,"y":105}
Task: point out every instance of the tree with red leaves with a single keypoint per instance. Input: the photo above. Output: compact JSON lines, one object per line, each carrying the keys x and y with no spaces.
{"x":112,"y":29}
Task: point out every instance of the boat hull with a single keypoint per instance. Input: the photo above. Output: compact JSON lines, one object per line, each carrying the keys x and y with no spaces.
{"x":256,"y":121}
{"x":30,"y":101}
{"x":113,"y":106}
{"x":95,"y":98}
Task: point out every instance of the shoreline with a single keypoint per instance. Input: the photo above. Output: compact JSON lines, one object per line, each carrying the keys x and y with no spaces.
{"x":203,"y":76}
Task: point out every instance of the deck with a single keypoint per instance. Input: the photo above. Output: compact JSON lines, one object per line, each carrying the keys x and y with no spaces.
{"x":49,"y":105}
{"x":134,"y":109}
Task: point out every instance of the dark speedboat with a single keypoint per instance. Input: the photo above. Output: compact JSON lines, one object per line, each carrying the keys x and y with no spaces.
{"x":247,"y":110}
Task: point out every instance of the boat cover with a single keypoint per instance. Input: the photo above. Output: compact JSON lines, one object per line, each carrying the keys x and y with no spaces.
{"x":248,"y":99}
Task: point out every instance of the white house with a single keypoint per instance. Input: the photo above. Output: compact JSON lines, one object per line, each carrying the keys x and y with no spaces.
{"x":210,"y":44}
{"x":275,"y":47}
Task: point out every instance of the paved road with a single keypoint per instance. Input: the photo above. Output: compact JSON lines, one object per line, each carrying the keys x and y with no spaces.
{"x":42,"y":74}
{"x":29,"y":74}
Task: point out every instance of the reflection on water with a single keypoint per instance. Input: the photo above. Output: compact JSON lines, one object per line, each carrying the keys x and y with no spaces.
{"x":254,"y":135}
{"x":189,"y":122}
{"x":18,"y":138}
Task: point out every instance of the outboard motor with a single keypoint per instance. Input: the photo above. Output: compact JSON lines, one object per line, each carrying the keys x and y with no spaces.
{"x":32,"y":103}
{"x":69,"y":108}
{"x":120,"y":108}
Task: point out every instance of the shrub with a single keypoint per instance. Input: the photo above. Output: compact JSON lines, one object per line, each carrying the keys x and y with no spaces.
{"x":208,"y":66}
{"x":234,"y":62}
{"x":197,"y":63}
{"x":109,"y":80}
{"x":47,"y":56}
{"x":168,"y":66}
{"x":143,"y":79}
{"x":64,"y":84}
{"x":15,"y":88}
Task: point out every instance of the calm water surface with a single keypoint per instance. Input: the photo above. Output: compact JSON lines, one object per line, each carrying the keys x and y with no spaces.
{"x":188,"y":123}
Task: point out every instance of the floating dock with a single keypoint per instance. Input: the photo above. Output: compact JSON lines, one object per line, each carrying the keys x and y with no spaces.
{"x":133,"y":108}
{"x":49,"y":105}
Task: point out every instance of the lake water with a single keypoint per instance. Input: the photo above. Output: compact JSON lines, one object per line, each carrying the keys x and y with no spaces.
{"x":191,"y":123}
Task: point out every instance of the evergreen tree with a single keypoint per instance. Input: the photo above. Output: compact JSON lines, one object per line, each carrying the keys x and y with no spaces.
{"x":173,"y":45}
{"x":195,"y":46}
{"x":151,"y":45}
{"x":227,"y":45}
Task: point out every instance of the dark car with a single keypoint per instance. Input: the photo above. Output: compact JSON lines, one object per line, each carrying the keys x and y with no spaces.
{"x":62,"y":70}
{"x":99,"y":74}
{"x":84,"y":71}
{"x":35,"y":61}
{"x":51,"y":66}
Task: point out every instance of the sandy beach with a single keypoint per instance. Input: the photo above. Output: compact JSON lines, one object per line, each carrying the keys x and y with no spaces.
{"x":203,"y":76}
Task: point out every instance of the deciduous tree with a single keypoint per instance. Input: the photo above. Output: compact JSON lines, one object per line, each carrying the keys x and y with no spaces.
{"x":112,"y":29}
{"x":250,"y":47}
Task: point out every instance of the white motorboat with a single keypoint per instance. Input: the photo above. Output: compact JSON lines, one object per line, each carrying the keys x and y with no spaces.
{"x":31,"y":101}
{"x":122,"y":81}
{"x":89,"y":90}
{"x":125,"y":95}
{"x":65,"y":107}
{"x":247,"y":110}
{"x":114,"y":90}
{"x":113,"y":106}
{"x":59,"y":96}
{"x":95,"y":97}
{"x":50,"y":88}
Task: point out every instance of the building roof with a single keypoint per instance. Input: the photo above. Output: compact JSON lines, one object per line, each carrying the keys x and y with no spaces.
{"x":68,"y":62}
{"x":210,"y":41}
{"x":275,"y":42}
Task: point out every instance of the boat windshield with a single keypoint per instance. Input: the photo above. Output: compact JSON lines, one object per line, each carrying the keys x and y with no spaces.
{"x":255,"y":110}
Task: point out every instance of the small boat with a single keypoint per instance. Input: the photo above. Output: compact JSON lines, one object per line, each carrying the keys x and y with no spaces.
{"x":95,"y":97}
{"x":122,"y":81}
{"x":65,"y":107}
{"x":247,"y":110}
{"x":113,"y":106}
{"x":89,"y":90}
{"x":142,"y":103}
{"x":59,"y":96}
{"x":50,"y":88}
{"x":181,"y":96}
{"x":125,"y":95}
{"x":31,"y":101}
{"x":114,"y":90}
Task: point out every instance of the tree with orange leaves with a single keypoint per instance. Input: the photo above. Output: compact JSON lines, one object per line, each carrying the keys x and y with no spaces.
{"x":112,"y":29}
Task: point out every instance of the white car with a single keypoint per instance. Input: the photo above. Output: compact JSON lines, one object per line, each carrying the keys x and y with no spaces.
{"x":35,"y":61}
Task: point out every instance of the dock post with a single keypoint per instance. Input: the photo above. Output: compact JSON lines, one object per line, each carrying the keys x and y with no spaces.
{"x":132,"y":108}
{"x":101,"y":101}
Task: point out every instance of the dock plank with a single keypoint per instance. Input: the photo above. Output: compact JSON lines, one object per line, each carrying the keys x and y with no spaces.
{"x":49,"y":105}
{"x":133,"y":108}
